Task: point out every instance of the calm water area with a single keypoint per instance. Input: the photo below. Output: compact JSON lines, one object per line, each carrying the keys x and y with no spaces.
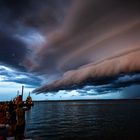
{"x":95,"y":120}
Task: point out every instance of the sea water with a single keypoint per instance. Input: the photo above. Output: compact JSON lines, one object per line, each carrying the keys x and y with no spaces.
{"x":103,"y":120}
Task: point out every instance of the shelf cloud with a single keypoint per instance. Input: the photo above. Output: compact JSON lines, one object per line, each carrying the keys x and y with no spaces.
{"x":97,"y":40}
{"x":72,"y":44}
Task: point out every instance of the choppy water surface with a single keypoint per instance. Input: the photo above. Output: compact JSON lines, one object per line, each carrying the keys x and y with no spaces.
{"x":116,"y":120}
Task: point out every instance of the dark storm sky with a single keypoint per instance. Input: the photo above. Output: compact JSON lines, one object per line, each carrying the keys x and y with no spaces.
{"x":72,"y":44}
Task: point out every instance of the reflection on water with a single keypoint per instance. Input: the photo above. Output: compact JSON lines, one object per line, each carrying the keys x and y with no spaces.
{"x":84,"y":120}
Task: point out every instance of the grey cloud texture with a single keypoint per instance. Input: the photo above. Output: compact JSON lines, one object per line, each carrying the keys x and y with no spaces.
{"x":97,"y":39}
{"x":12,"y":75}
{"x":89,"y":74}
{"x":21,"y":23}
{"x":91,"y":31}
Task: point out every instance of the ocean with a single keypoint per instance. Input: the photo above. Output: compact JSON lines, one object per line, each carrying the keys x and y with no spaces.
{"x":95,"y":120}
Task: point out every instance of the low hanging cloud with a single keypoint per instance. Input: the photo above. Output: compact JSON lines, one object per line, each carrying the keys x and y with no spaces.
{"x":97,"y":40}
{"x":91,"y":74}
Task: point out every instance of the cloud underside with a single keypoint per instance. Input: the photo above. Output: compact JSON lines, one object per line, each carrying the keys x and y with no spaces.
{"x":95,"y":46}
{"x":105,"y":72}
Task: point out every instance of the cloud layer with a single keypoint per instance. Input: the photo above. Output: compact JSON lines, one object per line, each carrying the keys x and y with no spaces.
{"x":72,"y":43}
{"x":12,"y":75}
{"x":97,"y":40}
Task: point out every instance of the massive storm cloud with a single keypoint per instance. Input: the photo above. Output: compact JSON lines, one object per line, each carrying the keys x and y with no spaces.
{"x":75,"y":43}
{"x":98,"y":40}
